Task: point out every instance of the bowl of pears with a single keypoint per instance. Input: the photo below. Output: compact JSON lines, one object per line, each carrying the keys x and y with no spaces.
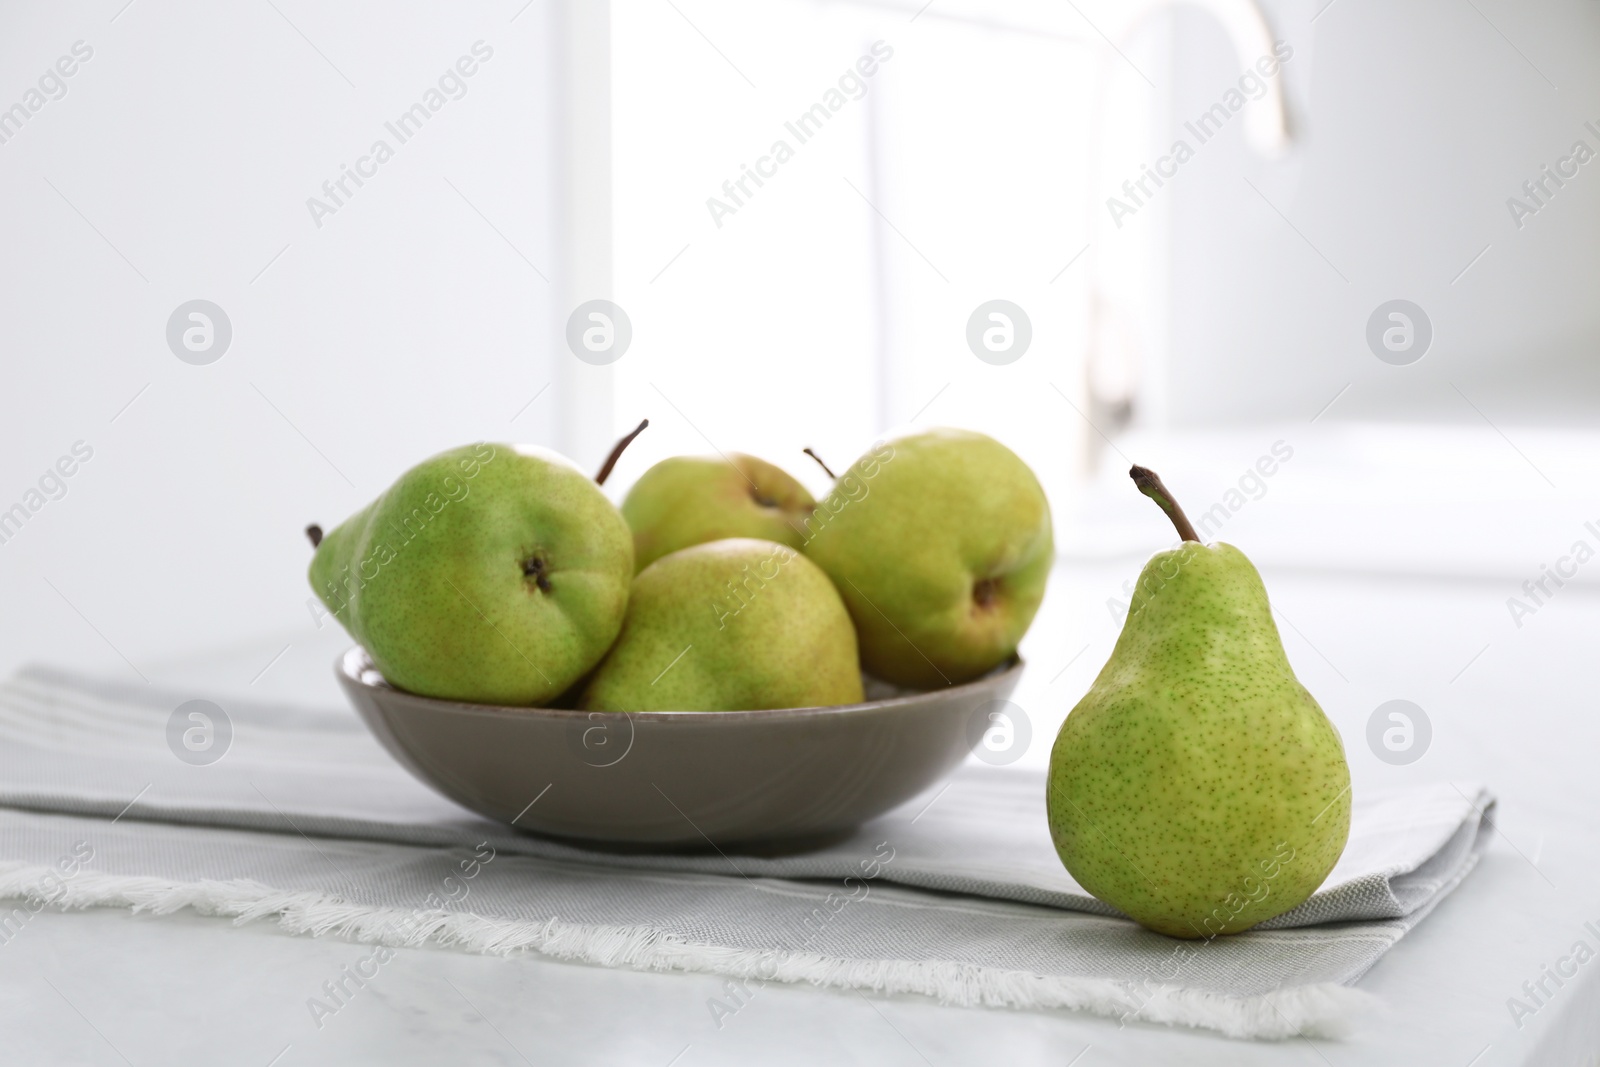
{"x":724,"y":659}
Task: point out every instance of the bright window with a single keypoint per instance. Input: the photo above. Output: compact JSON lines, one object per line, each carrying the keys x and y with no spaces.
{"x":831,"y":303}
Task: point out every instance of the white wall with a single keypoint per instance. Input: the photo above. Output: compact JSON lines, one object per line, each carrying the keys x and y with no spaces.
{"x":190,"y":142}
{"x":1415,"y":123}
{"x":179,"y":161}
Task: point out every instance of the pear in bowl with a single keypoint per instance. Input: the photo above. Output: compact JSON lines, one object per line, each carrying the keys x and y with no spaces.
{"x":730,"y":625}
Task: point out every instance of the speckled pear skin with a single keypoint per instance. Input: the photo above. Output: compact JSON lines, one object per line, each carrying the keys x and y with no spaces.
{"x":732,"y":625}
{"x":940,"y":542}
{"x":1198,"y":787}
{"x":433,"y":578}
{"x":689,"y":500}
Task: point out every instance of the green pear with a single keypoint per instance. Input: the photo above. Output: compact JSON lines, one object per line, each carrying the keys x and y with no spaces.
{"x":689,"y":500}
{"x":731,"y":625}
{"x":940,"y":543}
{"x":491,"y":573}
{"x":1198,"y":787}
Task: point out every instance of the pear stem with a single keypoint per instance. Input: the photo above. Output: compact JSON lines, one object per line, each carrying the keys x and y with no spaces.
{"x":616,"y":452}
{"x":1149,"y":483}
{"x":314,"y":533}
{"x":824,"y":466}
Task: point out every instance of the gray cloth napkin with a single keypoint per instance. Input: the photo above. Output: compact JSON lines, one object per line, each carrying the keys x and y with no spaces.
{"x":958,"y":894}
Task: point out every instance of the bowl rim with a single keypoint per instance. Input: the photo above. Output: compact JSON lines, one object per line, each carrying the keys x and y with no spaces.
{"x":353,"y":665}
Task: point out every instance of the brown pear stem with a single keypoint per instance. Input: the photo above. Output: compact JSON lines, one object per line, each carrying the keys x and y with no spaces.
{"x":616,"y":452}
{"x":314,"y":533}
{"x":1149,"y":483}
{"x":824,"y":466}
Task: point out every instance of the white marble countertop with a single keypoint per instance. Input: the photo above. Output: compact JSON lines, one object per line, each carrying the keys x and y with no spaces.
{"x":1513,"y":707}
{"x":106,"y":987}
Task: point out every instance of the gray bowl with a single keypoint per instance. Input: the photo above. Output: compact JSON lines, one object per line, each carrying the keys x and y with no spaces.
{"x":674,"y":778}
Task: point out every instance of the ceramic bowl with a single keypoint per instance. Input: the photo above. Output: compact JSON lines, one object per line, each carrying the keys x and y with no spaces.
{"x":679,"y":778}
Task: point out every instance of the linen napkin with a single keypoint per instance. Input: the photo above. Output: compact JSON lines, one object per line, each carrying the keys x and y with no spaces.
{"x":958,"y":894}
